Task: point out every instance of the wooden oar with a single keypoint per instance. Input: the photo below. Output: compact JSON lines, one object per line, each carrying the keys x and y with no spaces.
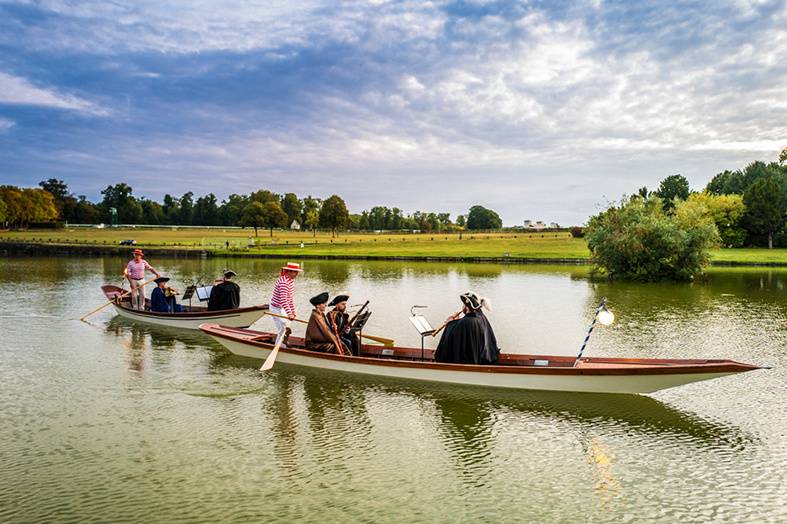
{"x":388,"y":342}
{"x":116,"y":299}
{"x":272,"y":357}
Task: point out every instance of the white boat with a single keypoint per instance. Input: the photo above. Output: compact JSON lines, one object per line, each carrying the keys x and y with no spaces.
{"x":190,"y":318}
{"x":532,"y":372}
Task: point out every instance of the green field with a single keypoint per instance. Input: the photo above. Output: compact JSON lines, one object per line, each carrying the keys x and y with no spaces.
{"x":471,"y":245}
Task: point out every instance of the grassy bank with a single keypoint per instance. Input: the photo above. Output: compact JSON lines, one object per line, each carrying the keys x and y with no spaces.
{"x":477,"y":245}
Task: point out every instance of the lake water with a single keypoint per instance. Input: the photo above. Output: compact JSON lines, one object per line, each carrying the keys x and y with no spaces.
{"x":119,"y":422}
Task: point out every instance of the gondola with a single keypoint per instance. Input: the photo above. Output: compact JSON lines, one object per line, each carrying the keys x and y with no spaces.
{"x":190,"y":318}
{"x":530,"y":372}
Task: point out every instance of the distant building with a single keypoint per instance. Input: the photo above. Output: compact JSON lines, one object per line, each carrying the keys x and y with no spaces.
{"x":295,"y":225}
{"x":538,"y":224}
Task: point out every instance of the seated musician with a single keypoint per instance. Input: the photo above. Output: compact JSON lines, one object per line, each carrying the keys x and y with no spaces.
{"x":339,"y":322}
{"x":319,"y":336}
{"x":468,"y":337}
{"x":162,"y":298}
{"x":225,"y":294}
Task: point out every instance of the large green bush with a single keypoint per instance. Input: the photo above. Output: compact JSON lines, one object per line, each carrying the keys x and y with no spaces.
{"x":637,"y":240}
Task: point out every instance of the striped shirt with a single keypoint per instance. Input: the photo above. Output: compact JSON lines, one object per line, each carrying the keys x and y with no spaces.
{"x":136,"y":270}
{"x":283,"y":293}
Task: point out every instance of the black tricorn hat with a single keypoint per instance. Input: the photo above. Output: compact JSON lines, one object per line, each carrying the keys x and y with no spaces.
{"x":471,"y":300}
{"x":339,"y":298}
{"x":322,"y":298}
{"x":229,"y":273}
{"x":159,"y":280}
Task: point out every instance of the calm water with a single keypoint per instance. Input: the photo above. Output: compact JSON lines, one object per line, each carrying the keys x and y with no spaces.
{"x":116,"y":422}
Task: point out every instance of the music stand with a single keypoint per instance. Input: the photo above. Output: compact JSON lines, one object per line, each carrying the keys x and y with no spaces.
{"x":203,"y":293}
{"x":188,"y":294}
{"x":357,"y":327}
{"x":424,"y":329}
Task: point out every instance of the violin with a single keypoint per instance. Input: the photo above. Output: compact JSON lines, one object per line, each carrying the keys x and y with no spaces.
{"x":170,"y":292}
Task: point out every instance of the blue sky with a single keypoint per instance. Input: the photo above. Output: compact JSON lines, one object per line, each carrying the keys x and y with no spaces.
{"x":540,"y":110}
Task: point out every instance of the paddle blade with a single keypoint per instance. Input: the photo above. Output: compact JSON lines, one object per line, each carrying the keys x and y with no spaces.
{"x":272,"y":357}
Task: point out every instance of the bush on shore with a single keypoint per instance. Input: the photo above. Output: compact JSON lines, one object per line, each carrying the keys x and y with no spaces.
{"x":638,"y":240}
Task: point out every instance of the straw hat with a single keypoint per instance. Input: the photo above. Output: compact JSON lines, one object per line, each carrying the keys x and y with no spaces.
{"x":139,"y":252}
{"x":292,"y":266}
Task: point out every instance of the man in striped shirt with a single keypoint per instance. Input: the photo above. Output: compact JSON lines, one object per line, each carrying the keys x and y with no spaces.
{"x":135,"y":273}
{"x":283,"y":301}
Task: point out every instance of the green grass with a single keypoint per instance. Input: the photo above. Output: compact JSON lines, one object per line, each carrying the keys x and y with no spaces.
{"x":475,"y":245}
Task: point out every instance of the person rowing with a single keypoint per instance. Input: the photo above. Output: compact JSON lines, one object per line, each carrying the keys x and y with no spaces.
{"x":135,"y":273}
{"x":319,"y":335}
{"x":468,"y":337}
{"x":339,"y":321}
{"x":225,"y":294}
{"x":283,"y":301}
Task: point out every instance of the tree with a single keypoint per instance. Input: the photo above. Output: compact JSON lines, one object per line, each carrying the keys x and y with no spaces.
{"x":121,"y":198}
{"x":273,"y":215}
{"x":727,"y":212}
{"x":152,"y":212}
{"x":39,"y":206}
{"x":783,"y":157}
{"x":334,"y":214}
{"x":263,"y":196}
{"x":86,"y":212}
{"x":253,"y":216}
{"x":3,"y":212}
{"x":638,"y":240}
{"x":726,"y":183}
{"x":480,"y":217}
{"x":460,"y":221}
{"x":206,"y":211}
{"x":765,"y":207}
{"x":171,"y":209}
{"x":293,"y":206}
{"x":186,"y":213}
{"x":310,"y":204}
{"x":671,"y":188}
{"x":312,"y":220}
{"x":231,"y":210}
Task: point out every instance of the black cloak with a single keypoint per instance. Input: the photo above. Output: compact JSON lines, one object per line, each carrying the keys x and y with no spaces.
{"x":469,"y":340}
{"x":224,"y":296}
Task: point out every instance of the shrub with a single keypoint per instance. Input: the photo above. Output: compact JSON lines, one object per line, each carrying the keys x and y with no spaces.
{"x":577,"y":232}
{"x":637,"y":240}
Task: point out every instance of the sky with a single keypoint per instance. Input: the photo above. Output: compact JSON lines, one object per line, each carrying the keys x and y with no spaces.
{"x":538,"y":110}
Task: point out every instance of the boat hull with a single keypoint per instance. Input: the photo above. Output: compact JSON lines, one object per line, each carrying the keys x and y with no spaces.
{"x":235,"y":318}
{"x":591,"y":380}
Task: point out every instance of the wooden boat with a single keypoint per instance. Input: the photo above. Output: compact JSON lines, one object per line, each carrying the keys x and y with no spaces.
{"x":190,"y":318}
{"x":534,"y":372}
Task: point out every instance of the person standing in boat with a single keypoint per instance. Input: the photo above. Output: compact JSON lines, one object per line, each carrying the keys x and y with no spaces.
{"x":135,"y":273}
{"x":319,"y":336}
{"x":283,"y":301}
{"x":225,"y":294}
{"x":339,"y":321}
{"x":468,"y":337}
{"x":162,"y":298}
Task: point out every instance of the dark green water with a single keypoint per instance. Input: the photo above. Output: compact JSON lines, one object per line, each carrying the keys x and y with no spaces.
{"x":116,"y":422}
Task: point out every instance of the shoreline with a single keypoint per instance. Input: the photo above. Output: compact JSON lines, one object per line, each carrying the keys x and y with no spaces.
{"x":33,"y":248}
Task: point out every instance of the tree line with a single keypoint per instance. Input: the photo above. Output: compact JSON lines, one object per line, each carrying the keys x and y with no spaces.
{"x":260,"y":209}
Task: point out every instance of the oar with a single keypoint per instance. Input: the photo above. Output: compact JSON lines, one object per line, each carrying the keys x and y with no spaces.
{"x":116,"y":299}
{"x":272,"y":357}
{"x":382,"y":340}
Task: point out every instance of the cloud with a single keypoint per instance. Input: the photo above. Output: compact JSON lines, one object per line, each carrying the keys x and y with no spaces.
{"x":5,"y":124}
{"x":18,"y":91}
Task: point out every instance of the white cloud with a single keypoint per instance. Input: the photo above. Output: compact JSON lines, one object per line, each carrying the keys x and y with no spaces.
{"x":5,"y":124}
{"x":18,"y":91}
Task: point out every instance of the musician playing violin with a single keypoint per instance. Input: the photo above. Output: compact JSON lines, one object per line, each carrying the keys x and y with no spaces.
{"x":339,"y":320}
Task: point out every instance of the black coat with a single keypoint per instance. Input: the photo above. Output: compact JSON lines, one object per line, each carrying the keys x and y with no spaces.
{"x":469,"y":340}
{"x":225,"y":295}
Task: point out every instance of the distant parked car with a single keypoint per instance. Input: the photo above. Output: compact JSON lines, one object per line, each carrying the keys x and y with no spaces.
{"x":128,"y":242}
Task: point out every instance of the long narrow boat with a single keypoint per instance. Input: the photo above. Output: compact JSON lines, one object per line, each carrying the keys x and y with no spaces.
{"x":190,"y":318}
{"x":535,"y":372}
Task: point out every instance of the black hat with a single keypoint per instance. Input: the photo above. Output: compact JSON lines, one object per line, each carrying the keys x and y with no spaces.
{"x":339,"y":298}
{"x":159,"y":280}
{"x":471,"y":300}
{"x":322,"y":298}
{"x":229,"y":273}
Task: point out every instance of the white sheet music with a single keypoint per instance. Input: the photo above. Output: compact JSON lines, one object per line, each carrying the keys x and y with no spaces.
{"x":421,"y":324}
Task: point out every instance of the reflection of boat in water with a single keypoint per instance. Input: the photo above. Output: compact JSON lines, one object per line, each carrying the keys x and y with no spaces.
{"x":190,"y":318}
{"x":532,"y":372}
